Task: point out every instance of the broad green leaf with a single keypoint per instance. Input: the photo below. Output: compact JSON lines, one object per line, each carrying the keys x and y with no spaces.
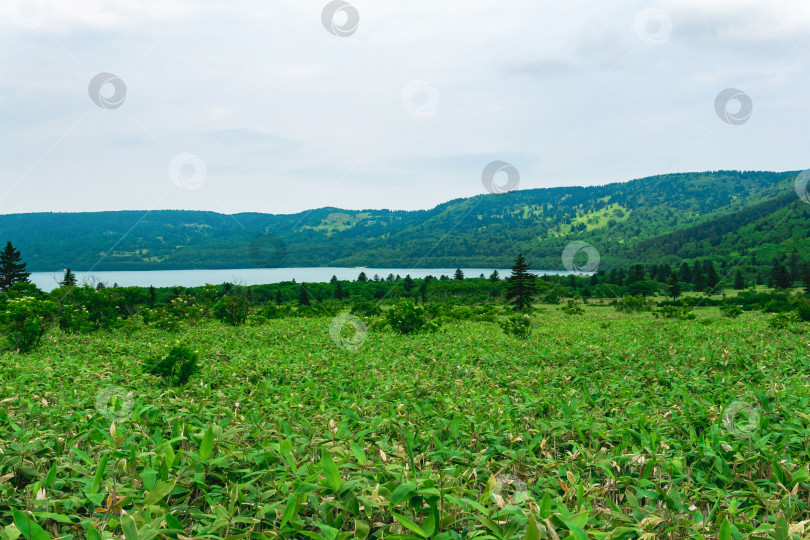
{"x":725,"y":530}
{"x":361,"y":529}
{"x":102,"y":466}
{"x":330,"y":471}
{"x":159,"y":492}
{"x":402,"y":493}
{"x":409,"y":524}
{"x":29,"y":528}
{"x":207,"y":444}
{"x":129,"y":528}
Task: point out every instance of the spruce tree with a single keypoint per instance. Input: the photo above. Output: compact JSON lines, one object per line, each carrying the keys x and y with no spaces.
{"x":362,"y":277}
{"x":408,"y":283}
{"x":521,"y":286}
{"x":674,"y":285}
{"x":782,"y":278}
{"x":69,"y":280}
{"x":739,"y":281}
{"x":459,"y":275}
{"x":494,"y":276}
{"x":303,"y":297}
{"x":12,"y":269}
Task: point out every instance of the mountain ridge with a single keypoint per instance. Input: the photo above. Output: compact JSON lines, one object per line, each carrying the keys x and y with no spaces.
{"x":628,"y":222}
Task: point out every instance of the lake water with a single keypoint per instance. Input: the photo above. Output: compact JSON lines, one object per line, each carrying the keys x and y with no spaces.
{"x":48,"y":281}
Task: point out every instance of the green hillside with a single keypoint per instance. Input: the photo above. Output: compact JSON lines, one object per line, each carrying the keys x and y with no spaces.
{"x":667,"y":218}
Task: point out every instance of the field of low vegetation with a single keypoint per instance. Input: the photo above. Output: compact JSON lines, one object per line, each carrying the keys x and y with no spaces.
{"x":208,"y":414}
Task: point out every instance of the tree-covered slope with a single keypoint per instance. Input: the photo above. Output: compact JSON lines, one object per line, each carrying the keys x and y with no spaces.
{"x":655,"y":219}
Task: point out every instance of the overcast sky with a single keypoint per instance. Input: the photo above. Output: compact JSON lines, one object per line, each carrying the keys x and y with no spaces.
{"x":277,"y":106}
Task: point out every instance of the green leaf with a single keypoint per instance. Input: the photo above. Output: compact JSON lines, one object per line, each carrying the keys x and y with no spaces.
{"x":51,"y":476}
{"x":358,"y":452}
{"x":402,"y":493}
{"x":725,"y":530}
{"x":409,"y":524}
{"x":290,"y":510}
{"x":92,"y":532}
{"x":782,"y":531}
{"x":361,"y":529}
{"x":330,"y":471}
{"x":207,"y":444}
{"x":545,"y":507}
{"x":532,"y":533}
{"x":102,"y":466}
{"x":159,"y":492}
{"x":29,"y":528}
{"x":129,"y":528}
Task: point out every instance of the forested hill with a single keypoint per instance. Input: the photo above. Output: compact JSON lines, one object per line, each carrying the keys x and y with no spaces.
{"x":667,"y":218}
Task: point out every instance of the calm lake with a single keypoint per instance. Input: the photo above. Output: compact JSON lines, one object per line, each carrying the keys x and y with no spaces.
{"x":48,"y":281}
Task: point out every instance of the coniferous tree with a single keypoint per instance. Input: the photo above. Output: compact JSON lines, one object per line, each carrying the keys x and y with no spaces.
{"x":333,"y":280}
{"x":69,"y":280}
{"x":806,"y":277}
{"x":362,"y":277}
{"x":152,"y":296}
{"x":698,"y":279}
{"x":408,"y":283}
{"x":459,"y":275}
{"x":674,"y":285}
{"x":782,"y":278}
{"x":494,"y":276}
{"x":303,"y":297}
{"x":685,"y":273}
{"x":521,"y":286}
{"x":711,"y":277}
{"x":12,"y":269}
{"x":739,"y":281}
{"x":339,"y":292}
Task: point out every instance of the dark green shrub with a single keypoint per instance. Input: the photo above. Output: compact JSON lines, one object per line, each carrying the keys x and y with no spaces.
{"x":232,"y":310}
{"x":518,"y":325}
{"x":731,"y":310}
{"x":176,"y":367}
{"x":25,"y":320}
{"x":407,"y":318}
{"x":633,"y":304}
{"x":675,"y":312}
{"x":573,"y":308}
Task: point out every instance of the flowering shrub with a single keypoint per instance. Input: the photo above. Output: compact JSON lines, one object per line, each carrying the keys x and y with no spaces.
{"x":25,"y":320}
{"x":518,"y":325}
{"x":407,"y":318}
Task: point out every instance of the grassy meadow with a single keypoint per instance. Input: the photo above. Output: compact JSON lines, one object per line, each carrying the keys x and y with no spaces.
{"x":600,"y":425}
